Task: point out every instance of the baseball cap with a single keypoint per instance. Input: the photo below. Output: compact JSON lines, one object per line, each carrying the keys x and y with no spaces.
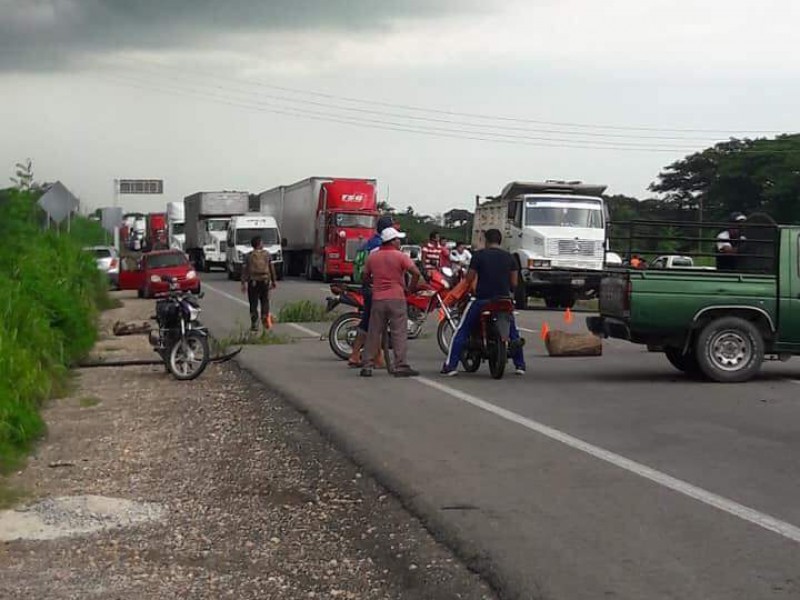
{"x":390,"y":233}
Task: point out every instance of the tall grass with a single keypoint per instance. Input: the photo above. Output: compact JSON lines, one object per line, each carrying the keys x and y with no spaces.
{"x":50,"y":292}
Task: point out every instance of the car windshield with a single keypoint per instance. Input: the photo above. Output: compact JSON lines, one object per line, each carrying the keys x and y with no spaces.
{"x":563,"y":216}
{"x":100,"y":252}
{"x":178,"y":228}
{"x":352,"y":220}
{"x":162,"y":261}
{"x":217,"y":225}
{"x":268,"y":236}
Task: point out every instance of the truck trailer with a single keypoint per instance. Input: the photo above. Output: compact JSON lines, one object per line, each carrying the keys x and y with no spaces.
{"x":556,"y":231}
{"x":207,"y":217}
{"x":323,"y":221}
{"x":176,"y":223}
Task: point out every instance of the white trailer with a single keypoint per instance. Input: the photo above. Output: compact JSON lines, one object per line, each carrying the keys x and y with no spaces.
{"x":207,"y":217}
{"x":176,"y":224}
{"x":556,"y":231}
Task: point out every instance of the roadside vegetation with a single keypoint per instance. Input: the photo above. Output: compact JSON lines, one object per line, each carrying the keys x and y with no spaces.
{"x":50,"y":294}
{"x":303,"y":311}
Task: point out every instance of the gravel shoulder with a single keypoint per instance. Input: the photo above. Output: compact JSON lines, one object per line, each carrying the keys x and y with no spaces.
{"x":256,"y":503}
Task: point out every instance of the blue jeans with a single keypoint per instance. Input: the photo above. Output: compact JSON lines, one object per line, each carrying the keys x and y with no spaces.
{"x":461,"y":337}
{"x":367,"y":293}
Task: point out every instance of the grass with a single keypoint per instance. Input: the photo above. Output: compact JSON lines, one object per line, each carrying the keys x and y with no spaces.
{"x":303,"y":311}
{"x":247,"y":338}
{"x":11,"y":497}
{"x":89,"y":401}
{"x":51,"y":293}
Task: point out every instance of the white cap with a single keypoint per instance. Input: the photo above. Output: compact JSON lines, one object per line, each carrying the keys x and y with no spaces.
{"x":390,"y":233}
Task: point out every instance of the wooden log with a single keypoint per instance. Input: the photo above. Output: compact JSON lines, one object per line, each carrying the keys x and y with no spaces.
{"x":121,"y":328}
{"x":562,"y":343}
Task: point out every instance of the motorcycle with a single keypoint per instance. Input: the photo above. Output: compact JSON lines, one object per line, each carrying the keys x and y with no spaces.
{"x":490,"y":338}
{"x":181,"y":340}
{"x":421,"y":303}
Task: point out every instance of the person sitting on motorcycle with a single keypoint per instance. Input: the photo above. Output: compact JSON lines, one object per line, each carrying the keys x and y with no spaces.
{"x":372,"y":244}
{"x":497,"y":275}
{"x":460,"y":258}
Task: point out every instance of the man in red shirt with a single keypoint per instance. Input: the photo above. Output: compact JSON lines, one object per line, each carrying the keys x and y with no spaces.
{"x":432,"y":252}
{"x":386,"y":269}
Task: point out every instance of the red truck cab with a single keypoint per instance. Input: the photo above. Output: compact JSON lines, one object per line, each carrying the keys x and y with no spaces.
{"x":346,"y":217}
{"x":157,"y":231}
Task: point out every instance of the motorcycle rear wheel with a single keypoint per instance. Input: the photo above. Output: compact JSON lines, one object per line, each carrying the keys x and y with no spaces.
{"x":343,"y":333}
{"x":498,"y":354}
{"x":189,"y":356}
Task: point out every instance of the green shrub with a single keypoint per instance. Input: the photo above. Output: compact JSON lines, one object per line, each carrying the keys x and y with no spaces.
{"x":50,"y":294}
{"x":303,"y":311}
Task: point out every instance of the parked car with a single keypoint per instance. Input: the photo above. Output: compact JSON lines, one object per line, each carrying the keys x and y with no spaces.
{"x":107,"y":259}
{"x":415,"y":252}
{"x":146,"y":275}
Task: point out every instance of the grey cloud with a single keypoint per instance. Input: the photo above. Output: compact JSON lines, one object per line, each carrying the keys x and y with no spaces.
{"x":55,"y":34}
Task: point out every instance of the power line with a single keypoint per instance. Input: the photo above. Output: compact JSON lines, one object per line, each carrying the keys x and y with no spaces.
{"x":574,"y":125}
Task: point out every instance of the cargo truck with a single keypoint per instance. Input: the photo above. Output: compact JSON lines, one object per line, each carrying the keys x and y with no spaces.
{"x":176,"y":224}
{"x":556,"y":232}
{"x":323,"y":221}
{"x":241,"y":231}
{"x":207,"y":217}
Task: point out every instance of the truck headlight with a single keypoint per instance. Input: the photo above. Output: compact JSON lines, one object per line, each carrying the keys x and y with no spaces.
{"x":333,"y":255}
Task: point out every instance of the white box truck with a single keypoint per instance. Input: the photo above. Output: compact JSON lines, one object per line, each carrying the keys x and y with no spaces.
{"x":207,"y":217}
{"x":556,"y":231}
{"x":176,"y":223}
{"x":241,"y":231}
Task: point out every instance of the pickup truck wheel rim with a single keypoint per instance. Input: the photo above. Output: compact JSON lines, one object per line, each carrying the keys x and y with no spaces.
{"x":730,"y":350}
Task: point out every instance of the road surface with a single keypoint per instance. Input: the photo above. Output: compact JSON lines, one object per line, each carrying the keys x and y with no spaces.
{"x":610,"y":477}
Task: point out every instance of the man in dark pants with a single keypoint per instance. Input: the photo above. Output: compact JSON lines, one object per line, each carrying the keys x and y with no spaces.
{"x":258,"y":278}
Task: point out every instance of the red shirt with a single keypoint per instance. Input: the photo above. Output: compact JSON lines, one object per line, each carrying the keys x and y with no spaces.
{"x":387,"y":267}
{"x":431,"y":254}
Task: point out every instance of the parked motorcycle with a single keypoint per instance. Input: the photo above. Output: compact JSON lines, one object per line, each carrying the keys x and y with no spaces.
{"x":181,"y":340}
{"x":421,"y":303}
{"x":490,"y":338}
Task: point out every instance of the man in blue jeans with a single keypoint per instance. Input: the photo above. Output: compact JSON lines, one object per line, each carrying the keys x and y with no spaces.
{"x":372,"y":244}
{"x":497,"y":273}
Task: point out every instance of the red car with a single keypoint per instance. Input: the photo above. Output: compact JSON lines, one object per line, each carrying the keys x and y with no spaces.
{"x":145,"y":275}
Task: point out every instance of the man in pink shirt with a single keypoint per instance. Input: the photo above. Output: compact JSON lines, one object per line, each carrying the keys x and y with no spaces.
{"x":386,"y":269}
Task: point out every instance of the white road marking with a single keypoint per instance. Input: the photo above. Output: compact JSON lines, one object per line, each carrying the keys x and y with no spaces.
{"x":745,"y":513}
{"x":305,"y":330}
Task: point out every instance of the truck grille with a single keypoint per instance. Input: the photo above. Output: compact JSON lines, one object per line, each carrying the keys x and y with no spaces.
{"x":575,"y":248}
{"x":351,"y":249}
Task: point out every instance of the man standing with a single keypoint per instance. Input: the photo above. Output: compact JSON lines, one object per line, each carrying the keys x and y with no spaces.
{"x":386,"y":269}
{"x":258,"y":278}
{"x":370,"y":246}
{"x":432,"y":252}
{"x":728,"y":243}
{"x":497,"y":273}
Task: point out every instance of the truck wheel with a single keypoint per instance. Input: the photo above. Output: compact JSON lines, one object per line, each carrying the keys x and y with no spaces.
{"x":279,"y":271}
{"x":229,"y":271}
{"x":551,"y":302}
{"x":686,"y":363}
{"x":567,"y":300}
{"x":730,"y":350}
{"x":521,"y":297}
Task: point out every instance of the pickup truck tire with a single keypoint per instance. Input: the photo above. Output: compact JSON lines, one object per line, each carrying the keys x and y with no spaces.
{"x":730,"y":350}
{"x":521,"y":297}
{"x":686,"y":363}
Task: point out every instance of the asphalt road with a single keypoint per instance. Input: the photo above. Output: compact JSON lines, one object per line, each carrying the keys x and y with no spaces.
{"x":610,"y":477}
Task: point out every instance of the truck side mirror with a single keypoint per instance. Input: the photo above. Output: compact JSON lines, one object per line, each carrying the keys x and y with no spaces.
{"x":284,"y":242}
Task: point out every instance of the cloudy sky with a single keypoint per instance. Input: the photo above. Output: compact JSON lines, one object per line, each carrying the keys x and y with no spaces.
{"x":437,"y":99}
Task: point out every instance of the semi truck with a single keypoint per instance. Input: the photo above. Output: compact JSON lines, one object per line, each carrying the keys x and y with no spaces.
{"x":207,"y":217}
{"x":176,"y":223}
{"x":156,"y":231}
{"x":241,"y":231}
{"x":556,"y":232}
{"x":324,"y":220}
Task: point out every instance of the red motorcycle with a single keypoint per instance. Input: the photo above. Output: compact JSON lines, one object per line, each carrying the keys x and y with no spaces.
{"x":421,"y":303}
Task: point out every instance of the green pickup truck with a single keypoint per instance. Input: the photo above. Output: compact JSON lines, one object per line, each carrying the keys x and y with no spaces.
{"x":717,"y":324}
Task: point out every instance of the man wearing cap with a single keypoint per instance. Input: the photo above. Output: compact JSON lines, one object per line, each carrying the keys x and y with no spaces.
{"x":386,"y":269}
{"x":370,"y":246}
{"x":728,"y":243}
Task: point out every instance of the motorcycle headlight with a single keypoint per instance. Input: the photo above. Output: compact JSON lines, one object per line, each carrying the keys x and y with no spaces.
{"x":194,"y":313}
{"x":191,"y":275}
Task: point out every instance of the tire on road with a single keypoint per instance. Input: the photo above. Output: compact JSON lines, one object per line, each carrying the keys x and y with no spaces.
{"x":730,"y":350}
{"x":686,"y":363}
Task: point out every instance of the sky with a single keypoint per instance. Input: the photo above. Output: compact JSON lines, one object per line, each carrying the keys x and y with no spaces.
{"x":439,"y":100}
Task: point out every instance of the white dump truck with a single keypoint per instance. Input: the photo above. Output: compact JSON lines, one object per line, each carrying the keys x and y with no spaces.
{"x":556,"y":231}
{"x":241,"y":231}
{"x":176,"y":225}
{"x":207,"y":217}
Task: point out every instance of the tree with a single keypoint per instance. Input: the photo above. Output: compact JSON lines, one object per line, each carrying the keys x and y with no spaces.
{"x":24,"y":176}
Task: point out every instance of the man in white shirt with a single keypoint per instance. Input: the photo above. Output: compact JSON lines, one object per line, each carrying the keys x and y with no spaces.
{"x":460,"y":257}
{"x":728,"y":243}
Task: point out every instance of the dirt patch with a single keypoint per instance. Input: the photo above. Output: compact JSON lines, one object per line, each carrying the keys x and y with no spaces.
{"x":256,"y":504}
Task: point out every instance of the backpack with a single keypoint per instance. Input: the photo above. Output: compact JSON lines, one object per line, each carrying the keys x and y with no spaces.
{"x":358,"y":265}
{"x":258,"y":262}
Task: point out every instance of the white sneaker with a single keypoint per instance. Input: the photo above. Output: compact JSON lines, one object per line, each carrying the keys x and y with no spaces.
{"x":519,"y":371}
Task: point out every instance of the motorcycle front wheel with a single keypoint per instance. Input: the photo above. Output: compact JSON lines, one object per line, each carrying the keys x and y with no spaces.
{"x":444,"y":335}
{"x":342,"y":334}
{"x":189,"y":356}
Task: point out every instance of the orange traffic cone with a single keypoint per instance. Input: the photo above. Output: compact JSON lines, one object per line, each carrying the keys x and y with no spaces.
{"x":268,"y":321}
{"x":568,"y":316}
{"x":545,"y":332}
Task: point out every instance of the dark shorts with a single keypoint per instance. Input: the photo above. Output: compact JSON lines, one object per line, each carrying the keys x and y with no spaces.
{"x":367,"y":292}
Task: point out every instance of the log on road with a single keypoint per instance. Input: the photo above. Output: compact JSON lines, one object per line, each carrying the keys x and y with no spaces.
{"x":562,"y":343}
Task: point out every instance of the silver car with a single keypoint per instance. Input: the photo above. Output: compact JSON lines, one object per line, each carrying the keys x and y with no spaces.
{"x":107,"y":259}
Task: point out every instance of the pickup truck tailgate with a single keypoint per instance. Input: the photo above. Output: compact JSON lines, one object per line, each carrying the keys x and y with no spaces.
{"x":614,"y":290}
